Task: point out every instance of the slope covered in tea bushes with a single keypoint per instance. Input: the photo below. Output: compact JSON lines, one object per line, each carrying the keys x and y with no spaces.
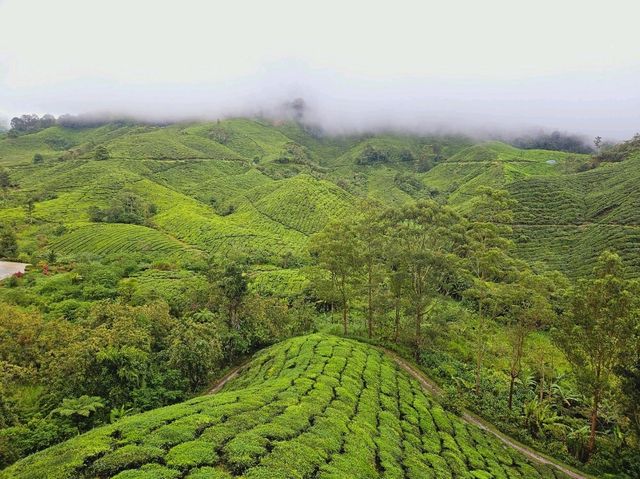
{"x":261,"y":189}
{"x":311,"y":407}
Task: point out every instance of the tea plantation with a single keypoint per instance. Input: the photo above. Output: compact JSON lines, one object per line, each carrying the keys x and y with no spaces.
{"x":311,"y":407}
{"x":261,"y":189}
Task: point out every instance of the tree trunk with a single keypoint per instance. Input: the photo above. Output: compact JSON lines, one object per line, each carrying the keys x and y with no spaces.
{"x":418,"y":332}
{"x":511,"y":383}
{"x":397,"y":321}
{"x":518,"y":352}
{"x":594,"y":423}
{"x":344,"y":319}
{"x":345,"y":307}
{"x":479,"y":369}
{"x":236,"y":323}
{"x":370,"y":303}
{"x":480,"y":355}
{"x":231,"y":316}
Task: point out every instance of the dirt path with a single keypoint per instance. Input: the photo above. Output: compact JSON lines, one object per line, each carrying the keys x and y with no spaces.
{"x":225,"y":379}
{"x":433,"y":389}
{"x":575,"y":225}
{"x":471,"y":418}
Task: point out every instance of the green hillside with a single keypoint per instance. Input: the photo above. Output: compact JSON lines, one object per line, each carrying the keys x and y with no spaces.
{"x":564,"y":217}
{"x":162,"y":255}
{"x":261,"y":188}
{"x":208,"y":194}
{"x":105,"y":239}
{"x":310,"y":407}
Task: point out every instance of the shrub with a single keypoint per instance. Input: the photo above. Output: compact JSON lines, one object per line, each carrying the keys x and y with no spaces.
{"x":8,"y":242}
{"x":191,"y":453}
{"x":149,"y":471}
{"x":244,"y":450}
{"x":179,"y":431}
{"x":371,"y":155}
{"x":209,"y":473}
{"x":101,"y":153}
{"x":442,"y":420}
{"x":314,"y":405}
{"x":127,"y":457}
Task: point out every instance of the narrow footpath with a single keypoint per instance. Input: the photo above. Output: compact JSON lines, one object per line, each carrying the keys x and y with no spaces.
{"x":471,"y":418}
{"x":219,"y":384}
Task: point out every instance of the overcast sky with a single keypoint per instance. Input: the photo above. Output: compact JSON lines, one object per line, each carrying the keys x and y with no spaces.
{"x":570,"y":65}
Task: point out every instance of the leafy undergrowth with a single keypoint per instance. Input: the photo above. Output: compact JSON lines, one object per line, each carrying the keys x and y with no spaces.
{"x":312,"y":407}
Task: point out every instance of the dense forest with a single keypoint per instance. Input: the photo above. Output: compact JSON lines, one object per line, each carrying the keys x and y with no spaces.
{"x":162,"y":257}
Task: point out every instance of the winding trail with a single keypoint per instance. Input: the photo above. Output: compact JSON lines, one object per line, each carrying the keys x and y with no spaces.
{"x":471,"y":418}
{"x":219,"y":384}
{"x":433,"y":389}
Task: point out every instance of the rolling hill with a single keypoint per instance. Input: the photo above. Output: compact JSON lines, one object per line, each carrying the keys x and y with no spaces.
{"x":261,"y":189}
{"x":255,"y":191}
{"x":310,"y":407}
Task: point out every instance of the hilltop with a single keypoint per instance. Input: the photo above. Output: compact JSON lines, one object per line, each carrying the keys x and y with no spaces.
{"x":312,"y":406}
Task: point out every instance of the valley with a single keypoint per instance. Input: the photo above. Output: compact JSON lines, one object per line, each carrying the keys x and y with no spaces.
{"x":163,"y":257}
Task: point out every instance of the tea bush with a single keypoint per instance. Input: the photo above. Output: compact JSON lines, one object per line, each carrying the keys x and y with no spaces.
{"x":312,"y":406}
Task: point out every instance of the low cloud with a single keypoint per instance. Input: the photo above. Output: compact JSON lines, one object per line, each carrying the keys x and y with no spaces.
{"x":420,"y":68}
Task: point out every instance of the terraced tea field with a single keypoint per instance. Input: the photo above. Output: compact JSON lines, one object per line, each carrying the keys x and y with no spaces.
{"x":107,"y":239}
{"x":221,"y":187}
{"x":311,"y":407}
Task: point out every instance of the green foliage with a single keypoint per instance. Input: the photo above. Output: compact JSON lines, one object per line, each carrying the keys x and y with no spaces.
{"x":109,"y":239}
{"x":555,"y":141}
{"x":261,"y":194}
{"x":191,"y":454}
{"x":5,"y":179}
{"x":83,"y":406}
{"x":232,"y":282}
{"x":8,"y":242}
{"x":17,"y":441}
{"x":293,"y":153}
{"x":101,"y":153}
{"x":149,"y":471}
{"x":31,"y":122}
{"x":336,"y":251}
{"x":600,"y":331}
{"x":311,"y":406}
{"x":127,"y":457}
{"x":272,"y":215}
{"x":196,"y":351}
{"x":126,"y":207}
{"x":371,"y":155}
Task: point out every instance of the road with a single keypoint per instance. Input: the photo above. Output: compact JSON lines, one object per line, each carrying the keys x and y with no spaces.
{"x":9,"y":268}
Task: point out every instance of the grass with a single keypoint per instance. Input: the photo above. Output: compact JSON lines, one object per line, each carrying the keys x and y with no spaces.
{"x":312,"y":406}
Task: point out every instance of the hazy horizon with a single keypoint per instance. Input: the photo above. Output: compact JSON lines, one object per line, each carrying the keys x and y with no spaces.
{"x":461,"y":67}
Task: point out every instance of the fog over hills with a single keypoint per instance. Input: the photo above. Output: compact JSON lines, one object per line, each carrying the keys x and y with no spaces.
{"x":319,"y":240}
{"x":464,"y":67}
